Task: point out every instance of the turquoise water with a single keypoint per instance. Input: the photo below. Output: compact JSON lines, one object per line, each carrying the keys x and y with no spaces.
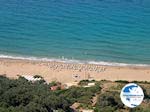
{"x":115,"y":31}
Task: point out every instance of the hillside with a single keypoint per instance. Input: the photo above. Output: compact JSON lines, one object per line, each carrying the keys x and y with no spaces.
{"x":21,"y":95}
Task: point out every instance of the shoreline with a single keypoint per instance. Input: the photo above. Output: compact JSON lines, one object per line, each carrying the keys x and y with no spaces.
{"x":72,"y":72}
{"x":73,"y":61}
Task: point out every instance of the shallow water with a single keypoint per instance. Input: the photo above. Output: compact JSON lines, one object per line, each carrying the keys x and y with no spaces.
{"x":116,"y":31}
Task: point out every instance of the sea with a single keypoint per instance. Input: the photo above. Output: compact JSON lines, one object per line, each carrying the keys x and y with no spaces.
{"x":107,"y":32}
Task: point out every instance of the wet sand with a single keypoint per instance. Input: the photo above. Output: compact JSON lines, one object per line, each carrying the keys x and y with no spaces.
{"x":69,"y":72}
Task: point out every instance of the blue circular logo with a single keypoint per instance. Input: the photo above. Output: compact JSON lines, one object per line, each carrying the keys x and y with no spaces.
{"x":132,"y":95}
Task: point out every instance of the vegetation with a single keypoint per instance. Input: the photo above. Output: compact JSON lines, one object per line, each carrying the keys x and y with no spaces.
{"x":109,"y":101}
{"x":122,"y":81}
{"x":21,"y":95}
{"x":85,"y":82}
{"x":38,"y":76}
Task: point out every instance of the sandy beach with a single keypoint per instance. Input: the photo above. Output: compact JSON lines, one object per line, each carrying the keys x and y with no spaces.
{"x":68,"y":72}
